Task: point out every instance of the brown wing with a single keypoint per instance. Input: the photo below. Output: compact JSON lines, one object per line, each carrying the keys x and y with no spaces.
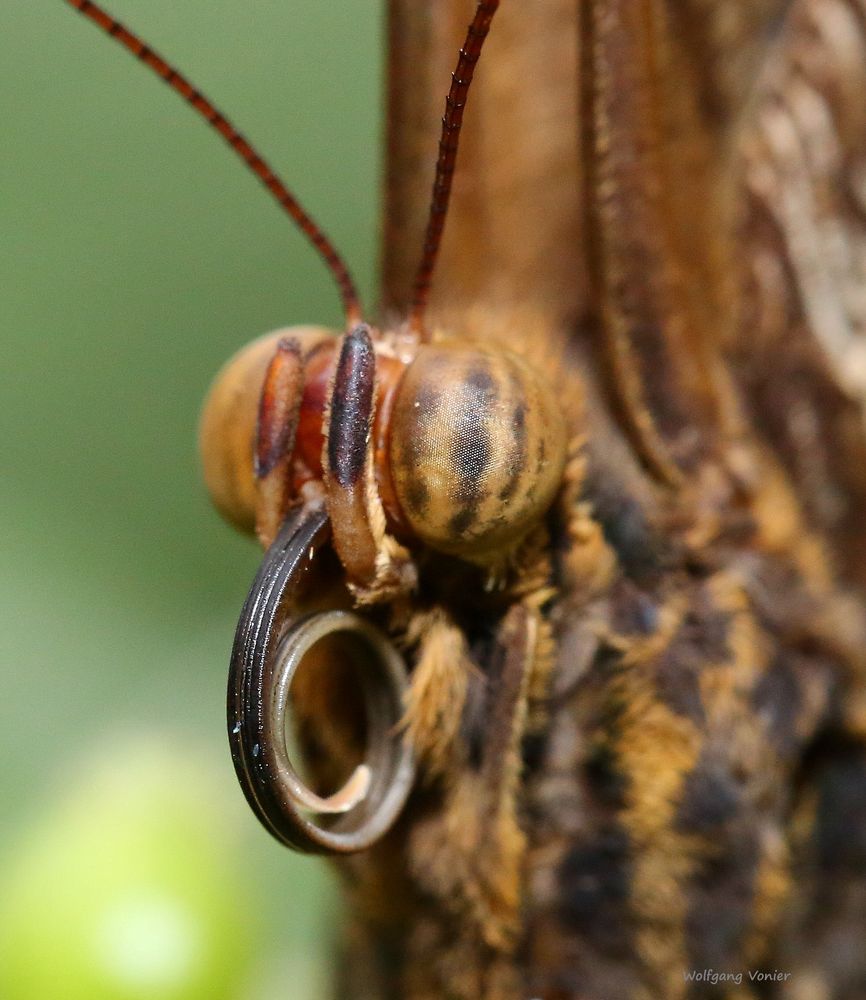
{"x":799,"y":352}
{"x":800,"y":357}
{"x":697,"y":687}
{"x":512,"y":235}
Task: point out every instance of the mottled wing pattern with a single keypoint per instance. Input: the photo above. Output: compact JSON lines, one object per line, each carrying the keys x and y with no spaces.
{"x":651,"y":759}
{"x":801,"y":359}
{"x":801,"y":353}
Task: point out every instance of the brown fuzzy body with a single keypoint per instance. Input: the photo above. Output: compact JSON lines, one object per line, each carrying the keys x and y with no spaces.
{"x":651,"y":809}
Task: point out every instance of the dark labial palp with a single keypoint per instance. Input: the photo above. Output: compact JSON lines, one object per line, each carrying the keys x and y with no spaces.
{"x":352,"y":407}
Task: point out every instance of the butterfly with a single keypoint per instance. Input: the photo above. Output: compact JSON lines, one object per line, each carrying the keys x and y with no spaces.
{"x":582,"y":514}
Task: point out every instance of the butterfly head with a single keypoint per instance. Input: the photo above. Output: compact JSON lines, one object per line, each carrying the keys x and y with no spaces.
{"x":456,"y":447}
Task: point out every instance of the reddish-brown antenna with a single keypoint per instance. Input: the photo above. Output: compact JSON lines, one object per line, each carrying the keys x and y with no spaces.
{"x":238,"y":143}
{"x":449,"y":139}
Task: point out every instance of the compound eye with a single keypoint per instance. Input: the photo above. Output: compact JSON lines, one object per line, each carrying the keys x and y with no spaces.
{"x":477,"y":449}
{"x":227,"y":428}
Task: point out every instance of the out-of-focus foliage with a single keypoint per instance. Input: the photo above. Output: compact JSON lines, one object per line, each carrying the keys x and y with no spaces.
{"x":136,"y":256}
{"x":129,"y":888}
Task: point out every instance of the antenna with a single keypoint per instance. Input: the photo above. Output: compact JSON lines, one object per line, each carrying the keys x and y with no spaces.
{"x":244,"y":149}
{"x":449,"y":139}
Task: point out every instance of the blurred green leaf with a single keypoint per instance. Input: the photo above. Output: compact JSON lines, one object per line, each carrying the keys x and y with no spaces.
{"x":137,"y":255}
{"x":129,"y":889}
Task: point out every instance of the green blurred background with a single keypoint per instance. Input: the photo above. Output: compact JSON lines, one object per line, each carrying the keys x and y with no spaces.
{"x":136,"y":255}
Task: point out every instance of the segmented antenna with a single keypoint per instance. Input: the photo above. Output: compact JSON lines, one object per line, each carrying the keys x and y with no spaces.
{"x":449,"y":139}
{"x":244,"y":149}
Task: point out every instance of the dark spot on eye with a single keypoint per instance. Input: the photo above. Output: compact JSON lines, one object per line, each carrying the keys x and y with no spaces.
{"x":517,"y":457}
{"x":711,"y":797}
{"x":470,"y":445}
{"x":518,"y":419}
{"x":471,"y":449}
{"x":461,"y":522}
{"x":482,"y":382}
{"x":417,"y":494}
{"x":594,"y":888}
{"x":470,"y":452}
{"x":470,"y":455}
